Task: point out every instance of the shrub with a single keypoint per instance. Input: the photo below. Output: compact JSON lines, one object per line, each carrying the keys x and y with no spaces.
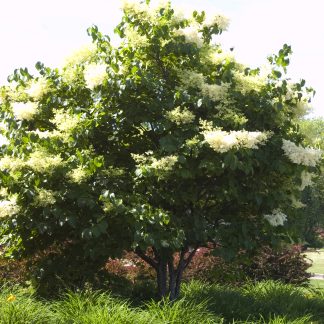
{"x":288,"y":265}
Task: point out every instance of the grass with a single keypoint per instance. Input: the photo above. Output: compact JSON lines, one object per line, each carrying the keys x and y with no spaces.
{"x":316,"y":283}
{"x":266,"y":302}
{"x":318,"y":261}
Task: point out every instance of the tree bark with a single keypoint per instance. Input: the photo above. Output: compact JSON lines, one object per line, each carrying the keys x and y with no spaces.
{"x":166,"y":272}
{"x":162,"y":278}
{"x":172,"y":278}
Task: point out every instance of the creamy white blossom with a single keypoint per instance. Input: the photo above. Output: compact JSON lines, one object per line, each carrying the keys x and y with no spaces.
{"x":44,"y":198}
{"x":3,"y":126}
{"x":306,"y":180}
{"x":3,"y":140}
{"x":247,"y":83}
{"x":81,"y":55}
{"x":215,"y":92}
{"x":191,"y":34}
{"x":70,"y":74}
{"x":296,"y":203}
{"x":165,"y":163}
{"x":276,"y":218}
{"x":162,"y":166}
{"x":4,"y":192}
{"x":302,"y":108}
{"x":222,"y":141}
{"x":135,"y":39}
{"x":178,"y":16}
{"x":220,"y":21}
{"x":11,"y":163}
{"x":44,"y":134}
{"x":9,"y":207}
{"x":139,"y":8}
{"x":297,"y":154}
{"x":64,"y":121}
{"x":38,"y":88}
{"x":220,"y":57}
{"x":77,"y":175}
{"x":206,"y":125}
{"x":23,"y":110}
{"x":42,"y":161}
{"x":95,"y":74}
{"x":180,"y":116}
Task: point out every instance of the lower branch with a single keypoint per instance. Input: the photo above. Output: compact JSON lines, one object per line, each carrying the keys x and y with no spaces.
{"x":146,"y":258}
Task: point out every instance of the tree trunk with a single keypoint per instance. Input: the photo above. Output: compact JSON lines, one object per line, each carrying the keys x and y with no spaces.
{"x":161,"y":273}
{"x":163,"y":263}
{"x":172,"y":278}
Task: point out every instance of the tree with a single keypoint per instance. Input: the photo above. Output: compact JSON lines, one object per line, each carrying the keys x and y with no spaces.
{"x":162,"y":144}
{"x":312,"y":213}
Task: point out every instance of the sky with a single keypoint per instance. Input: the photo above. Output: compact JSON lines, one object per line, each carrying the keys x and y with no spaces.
{"x":49,"y":30}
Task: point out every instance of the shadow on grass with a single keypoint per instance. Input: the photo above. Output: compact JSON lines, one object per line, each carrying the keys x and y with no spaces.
{"x":266,"y":299}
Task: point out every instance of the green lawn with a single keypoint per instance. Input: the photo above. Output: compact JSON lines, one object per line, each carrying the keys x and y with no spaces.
{"x":317,"y":283}
{"x":318,"y":261}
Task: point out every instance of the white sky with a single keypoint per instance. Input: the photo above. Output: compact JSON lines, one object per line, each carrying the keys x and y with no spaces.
{"x":48,"y":30}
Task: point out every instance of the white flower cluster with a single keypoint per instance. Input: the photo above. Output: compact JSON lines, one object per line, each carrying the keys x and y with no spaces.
{"x":191,"y":34}
{"x":3,"y":140}
{"x":64,"y":121}
{"x":81,"y":56}
{"x":23,"y":110}
{"x":297,"y":154}
{"x":9,"y":207}
{"x":296,"y":203}
{"x":77,"y":175}
{"x":222,"y":141}
{"x":247,"y":83}
{"x":94,"y":75}
{"x":44,"y":134}
{"x":306,"y":180}
{"x":162,"y":166}
{"x":133,"y":6}
{"x":137,"y":7}
{"x":218,"y":57}
{"x":135,"y":39}
{"x":212,"y":91}
{"x":220,"y":21}
{"x":44,"y":198}
{"x":180,"y":116}
{"x":178,"y":15}
{"x":70,"y":74}
{"x":38,"y":88}
{"x":11,"y":163}
{"x":277,"y":218}
{"x":3,"y":192}
{"x":141,"y":9}
{"x":302,"y":108}
{"x":41,"y":161}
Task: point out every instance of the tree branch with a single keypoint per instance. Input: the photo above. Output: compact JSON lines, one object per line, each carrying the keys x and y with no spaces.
{"x":146,"y":258}
{"x":189,"y":258}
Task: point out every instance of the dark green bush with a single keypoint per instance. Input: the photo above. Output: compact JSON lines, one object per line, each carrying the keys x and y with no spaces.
{"x":288,"y":265}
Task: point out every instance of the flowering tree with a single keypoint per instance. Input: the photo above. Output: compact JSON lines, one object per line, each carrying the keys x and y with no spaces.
{"x":163,"y":142}
{"x":311,"y":211}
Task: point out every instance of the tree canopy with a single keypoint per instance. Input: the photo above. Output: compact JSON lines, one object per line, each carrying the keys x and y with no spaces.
{"x":164,"y":141}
